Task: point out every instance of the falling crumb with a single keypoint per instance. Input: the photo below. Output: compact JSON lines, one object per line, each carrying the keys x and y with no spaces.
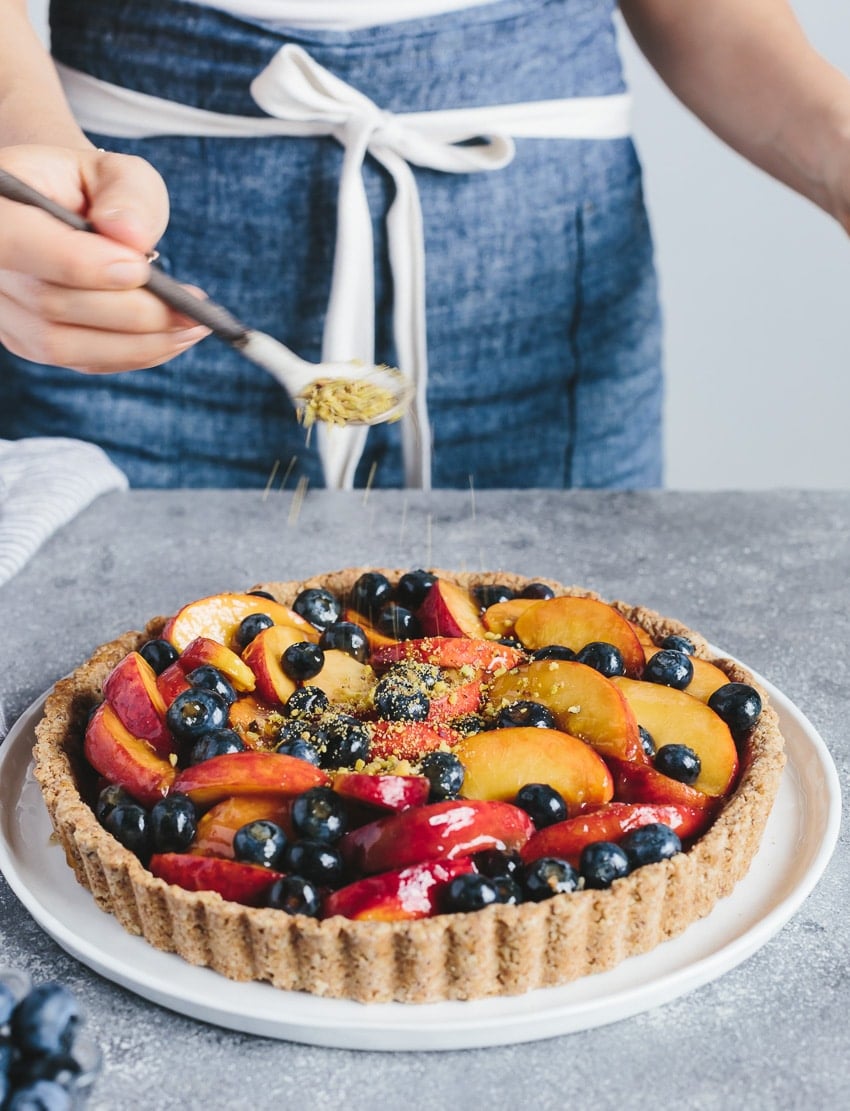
{"x":345,"y":401}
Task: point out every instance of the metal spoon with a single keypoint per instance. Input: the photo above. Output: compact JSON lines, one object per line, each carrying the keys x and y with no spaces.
{"x":295,"y":374}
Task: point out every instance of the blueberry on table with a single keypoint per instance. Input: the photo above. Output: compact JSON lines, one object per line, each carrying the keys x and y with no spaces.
{"x":525,"y":713}
{"x":369,"y":593}
{"x":318,"y":606}
{"x":536,"y":590}
{"x":542,"y":803}
{"x":194,"y":712}
{"x":46,"y":1020}
{"x":347,"y":741}
{"x":211,"y":679}
{"x":307,"y":702}
{"x":548,"y":876}
{"x":444,"y":773}
{"x":601,"y":863}
{"x":319,"y":815}
{"x":159,"y":653}
{"x":130,"y":826}
{"x":650,"y":843}
{"x":679,"y":644}
{"x":412,"y":587}
{"x":738,"y":704}
{"x":303,"y":660}
{"x":603,"y":657}
{"x":294,"y":895}
{"x":260,"y":842}
{"x":218,"y":742}
{"x":249,"y":627}
{"x":173,"y":823}
{"x":398,"y":622}
{"x":348,"y":637}
{"x":679,"y":762}
{"x":647,"y":741}
{"x":553,"y":652}
{"x":490,"y":594}
{"x":316,"y":861}
{"x":670,"y":668}
{"x":469,"y":892}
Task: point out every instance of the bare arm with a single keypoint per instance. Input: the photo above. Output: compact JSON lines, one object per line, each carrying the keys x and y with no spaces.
{"x":746,"y":69}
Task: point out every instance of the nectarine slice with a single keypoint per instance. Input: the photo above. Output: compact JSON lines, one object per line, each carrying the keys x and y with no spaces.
{"x":132,"y":692}
{"x":397,"y":896}
{"x":450,"y":652}
{"x":263,"y":656}
{"x":233,"y":880}
{"x":575,"y":622}
{"x":386,"y":792}
{"x":247,"y":773}
{"x":376,"y":639}
{"x":501,"y":618}
{"x":124,"y":759}
{"x":643,"y":783}
{"x":407,"y":740}
{"x":218,"y":616}
{"x":216,"y":828}
{"x":203,"y":651}
{"x":344,"y":679}
{"x":449,"y":611}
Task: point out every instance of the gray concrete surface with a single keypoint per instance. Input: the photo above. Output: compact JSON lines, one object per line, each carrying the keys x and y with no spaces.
{"x":764,"y":575}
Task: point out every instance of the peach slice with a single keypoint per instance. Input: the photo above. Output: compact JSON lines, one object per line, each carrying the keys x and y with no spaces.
{"x":676,"y":717}
{"x":172,"y":682}
{"x":460,"y":699}
{"x":407,"y":740}
{"x":501,"y":618}
{"x":233,"y":880}
{"x":131,"y":691}
{"x":218,"y":616}
{"x":247,"y":773}
{"x":501,"y":761}
{"x":217,"y":827}
{"x":344,"y":679}
{"x":565,"y":840}
{"x":575,"y":622}
{"x":386,"y":792}
{"x":375,"y":638}
{"x":203,"y":651}
{"x":643,"y":783}
{"x":441,"y":829}
{"x":126,"y":760}
{"x":397,"y":896}
{"x":649,"y":645}
{"x":583,"y":702}
{"x":248,"y":715}
{"x":450,"y":652}
{"x":450,"y":611}
{"x":263,"y":655}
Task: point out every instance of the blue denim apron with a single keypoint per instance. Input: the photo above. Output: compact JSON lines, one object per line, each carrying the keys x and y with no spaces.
{"x":543,"y":319}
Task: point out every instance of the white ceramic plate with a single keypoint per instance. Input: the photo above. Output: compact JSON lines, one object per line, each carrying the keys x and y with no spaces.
{"x":799,"y":840}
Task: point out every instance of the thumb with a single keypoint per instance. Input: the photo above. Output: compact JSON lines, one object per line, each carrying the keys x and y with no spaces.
{"x":128,"y":200}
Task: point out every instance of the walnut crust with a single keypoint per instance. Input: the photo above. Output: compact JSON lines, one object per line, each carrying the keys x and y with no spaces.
{"x":503,"y":950}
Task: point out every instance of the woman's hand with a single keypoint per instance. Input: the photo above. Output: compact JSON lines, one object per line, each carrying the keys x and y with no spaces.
{"x":73,"y":299}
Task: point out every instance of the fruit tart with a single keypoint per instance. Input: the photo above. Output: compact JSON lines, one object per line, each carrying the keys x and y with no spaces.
{"x":415,"y":786}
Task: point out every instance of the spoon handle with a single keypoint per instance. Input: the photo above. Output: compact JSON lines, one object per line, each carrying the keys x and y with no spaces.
{"x":216,"y":317}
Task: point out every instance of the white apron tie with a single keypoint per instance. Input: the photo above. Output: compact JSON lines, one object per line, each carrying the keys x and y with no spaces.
{"x":303,"y":98}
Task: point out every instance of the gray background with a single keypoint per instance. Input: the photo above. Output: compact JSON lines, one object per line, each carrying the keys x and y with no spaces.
{"x":754,"y":284}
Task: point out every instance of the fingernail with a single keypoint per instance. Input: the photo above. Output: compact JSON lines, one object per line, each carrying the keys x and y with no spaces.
{"x":127,"y":272}
{"x":188,"y":336}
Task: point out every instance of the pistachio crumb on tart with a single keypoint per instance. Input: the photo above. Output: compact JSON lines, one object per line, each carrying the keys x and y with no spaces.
{"x":382,"y":785}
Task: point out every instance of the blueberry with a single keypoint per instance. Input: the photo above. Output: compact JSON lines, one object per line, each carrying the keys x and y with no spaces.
{"x":525,"y":713}
{"x":445,"y":773}
{"x":307,"y":702}
{"x":129,"y":824}
{"x":397,"y":701}
{"x":601,"y":863}
{"x":303,"y":660}
{"x":8,"y":1001}
{"x":542,"y":803}
{"x":679,"y":762}
{"x":411,"y":673}
{"x":398,"y":622}
{"x":507,"y":890}
{"x":40,"y":1095}
{"x":537,"y":590}
{"x":173,"y":823}
{"x":548,"y":876}
{"x":318,"y":606}
{"x":490,"y":594}
{"x":469,"y":724}
{"x":159,"y":653}
{"x":679,"y":644}
{"x":299,"y":749}
{"x":495,"y":863}
{"x":194,"y":712}
{"x":110,"y":797}
{"x":316,"y":861}
{"x":218,"y":742}
{"x":249,"y":628}
{"x":647,"y":741}
{"x":262,"y":594}
{"x":294,"y":895}
{"x":412,"y":587}
{"x":669,"y":668}
{"x":319,"y":815}
{"x":260,"y":842}
{"x":603,"y":657}
{"x":347,"y":742}
{"x":46,"y":1020}
{"x":650,"y":844}
{"x":553,"y":652}
{"x":738,"y":704}
{"x":211,"y":679}
{"x":470,"y":891}
{"x":371,"y":591}
{"x":347,"y":637}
